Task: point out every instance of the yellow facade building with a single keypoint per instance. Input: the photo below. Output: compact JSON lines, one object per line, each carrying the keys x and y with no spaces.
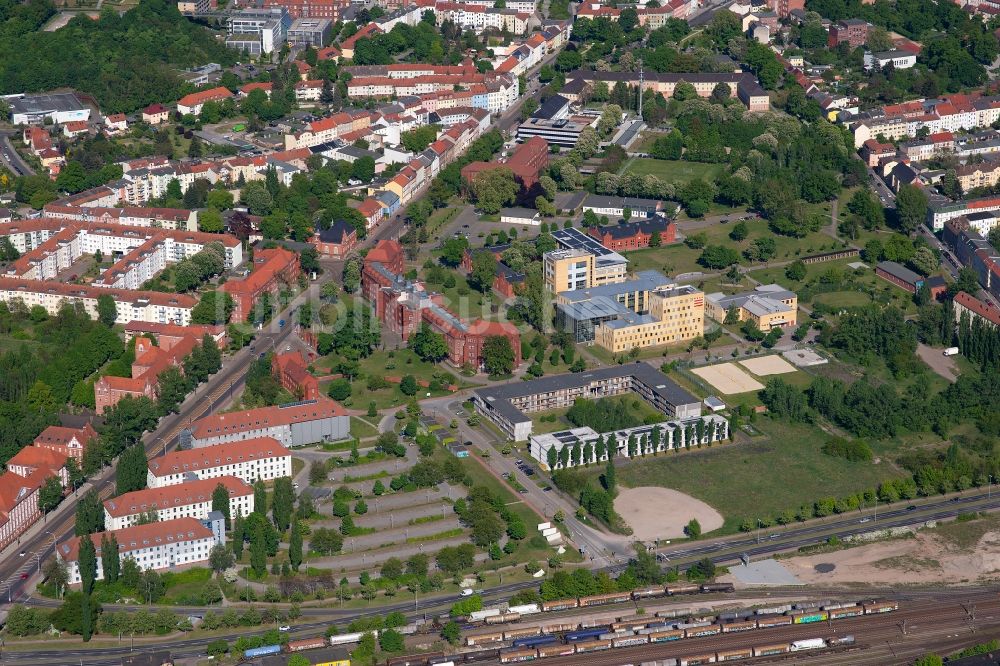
{"x":768,"y":306}
{"x":574,"y":269}
{"x":676,"y":314}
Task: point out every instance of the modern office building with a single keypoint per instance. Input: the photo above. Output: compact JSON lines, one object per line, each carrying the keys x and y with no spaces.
{"x":676,"y":314}
{"x":609,"y":267}
{"x":580,"y":312}
{"x":768,"y":306}
{"x":508,"y":405}
{"x":313,"y":32}
{"x":563,"y":132}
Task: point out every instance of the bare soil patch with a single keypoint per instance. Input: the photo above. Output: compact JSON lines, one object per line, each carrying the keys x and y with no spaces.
{"x":661,"y":513}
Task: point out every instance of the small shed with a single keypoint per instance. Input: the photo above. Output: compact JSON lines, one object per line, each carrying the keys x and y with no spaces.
{"x":714,"y":404}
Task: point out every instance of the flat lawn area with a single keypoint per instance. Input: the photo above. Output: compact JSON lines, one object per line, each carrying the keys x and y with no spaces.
{"x":550,"y":420}
{"x":388,"y":363}
{"x":673,"y":171}
{"x":361,"y":428}
{"x":782,"y":470}
{"x":463,"y":300}
{"x":843,"y":299}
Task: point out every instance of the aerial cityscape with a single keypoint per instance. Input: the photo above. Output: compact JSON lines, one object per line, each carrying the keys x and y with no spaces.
{"x":438,"y":332}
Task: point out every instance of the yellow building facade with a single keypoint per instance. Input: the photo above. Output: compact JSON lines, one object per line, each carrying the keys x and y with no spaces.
{"x":676,"y":315}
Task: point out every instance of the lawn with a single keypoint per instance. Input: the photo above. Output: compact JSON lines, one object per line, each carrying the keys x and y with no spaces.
{"x":387,"y":363}
{"x":463,"y":300}
{"x":360,"y":428}
{"x":673,"y":171}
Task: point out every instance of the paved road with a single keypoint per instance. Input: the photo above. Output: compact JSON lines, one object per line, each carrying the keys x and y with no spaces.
{"x":9,"y":157}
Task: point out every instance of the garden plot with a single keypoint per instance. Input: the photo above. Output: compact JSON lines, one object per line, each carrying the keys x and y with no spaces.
{"x":384,"y":518}
{"x":768,"y":365}
{"x":728,"y":378}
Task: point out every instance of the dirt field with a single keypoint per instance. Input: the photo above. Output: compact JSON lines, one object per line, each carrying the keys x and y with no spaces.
{"x":939,"y":363}
{"x":768,"y":365}
{"x":661,"y":513}
{"x":728,"y":378}
{"x":954,"y":553}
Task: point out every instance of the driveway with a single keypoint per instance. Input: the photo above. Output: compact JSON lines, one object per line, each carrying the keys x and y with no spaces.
{"x":941,"y":364}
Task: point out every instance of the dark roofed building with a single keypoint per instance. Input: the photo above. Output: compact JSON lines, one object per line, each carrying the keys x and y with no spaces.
{"x":899,"y":275}
{"x":555,"y":107}
{"x":634,"y":235}
{"x":337,"y":241}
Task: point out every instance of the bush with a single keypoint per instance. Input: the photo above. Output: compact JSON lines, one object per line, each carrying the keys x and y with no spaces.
{"x":855,"y":450}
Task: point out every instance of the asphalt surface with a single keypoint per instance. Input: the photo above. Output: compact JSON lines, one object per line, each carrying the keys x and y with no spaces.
{"x":9,"y":157}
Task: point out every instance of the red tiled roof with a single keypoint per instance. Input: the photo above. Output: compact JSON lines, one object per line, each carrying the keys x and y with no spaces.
{"x":263,"y":417}
{"x":181,"y":494}
{"x":204,"y":96}
{"x":229,"y":453}
{"x":369,"y":207}
{"x":139,"y":537}
{"x":38,"y":457}
{"x":267,"y":87}
{"x":14,"y":489}
{"x":61,"y":436}
{"x":154,"y":109}
{"x":984,"y":310}
{"x":86,"y":291}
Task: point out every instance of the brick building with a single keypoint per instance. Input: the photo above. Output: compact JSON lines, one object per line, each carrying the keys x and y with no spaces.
{"x":633,"y":235}
{"x":292,"y":371}
{"x":337,"y":241}
{"x":403,"y":306}
{"x":271,"y":269}
{"x":527,"y":161}
{"x":899,"y":275}
{"x":150,"y":361}
{"x":852,"y":31}
{"x":71,"y":442}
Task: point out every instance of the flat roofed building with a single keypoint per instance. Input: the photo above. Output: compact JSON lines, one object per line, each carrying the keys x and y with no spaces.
{"x":310,"y":32}
{"x":508,"y":405}
{"x":294,"y":424}
{"x":192,"y":499}
{"x":563,"y":132}
{"x":768,"y":306}
{"x":676,"y":314}
{"x":262,"y":458}
{"x":61,"y":108}
{"x":568,"y":270}
{"x":615,"y":206}
{"x":609,"y":266}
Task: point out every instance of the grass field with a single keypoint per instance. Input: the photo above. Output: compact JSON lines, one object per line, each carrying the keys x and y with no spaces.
{"x":361,"y":428}
{"x":673,"y":171}
{"x":387,"y":363}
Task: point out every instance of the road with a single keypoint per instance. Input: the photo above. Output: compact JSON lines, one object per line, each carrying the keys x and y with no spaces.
{"x":9,"y":157}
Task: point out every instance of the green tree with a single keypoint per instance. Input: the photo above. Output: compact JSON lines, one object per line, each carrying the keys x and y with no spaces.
{"x":484,"y":270}
{"x":132,"y":469}
{"x":911,"y":208}
{"x":221,"y":501}
{"x":493,"y":189}
{"x":210,"y":221}
{"x":295,"y":546}
{"x":282,"y":502}
{"x":498,"y":355}
{"x":693,"y":529}
{"x":89,"y":515}
{"x":428,"y":345}
{"x":215,"y":307}
{"x":50,"y":494}
{"x":87,"y":564}
{"x":107,"y":310}
{"x":111,"y":561}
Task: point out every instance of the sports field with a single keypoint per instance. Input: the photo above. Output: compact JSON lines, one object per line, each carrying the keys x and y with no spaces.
{"x":728,"y":378}
{"x":674,"y":171}
{"x":767,"y":365}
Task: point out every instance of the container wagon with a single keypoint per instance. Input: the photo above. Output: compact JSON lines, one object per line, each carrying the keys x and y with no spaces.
{"x":503,"y":618}
{"x":305,"y":644}
{"x":734,"y":627}
{"x":774,"y":610}
{"x":262,"y":651}
{"x":413,"y":659}
{"x":808,"y":617}
{"x":344,"y":639}
{"x":881,"y":607}
{"x":560,"y":604}
{"x":480,"y":655}
{"x":441,"y":661}
{"x":559,"y":627}
{"x":710,"y":630}
{"x":733,"y":655}
{"x":601,"y":599}
{"x":592,"y":646}
{"x":660,"y":662}
{"x":682,"y":589}
{"x":584,"y":634}
{"x":628,"y":641}
{"x":611,"y":635}
{"x":768,"y":650}
{"x":807,"y":644}
{"x":765,"y":622}
{"x":556,"y":650}
{"x":533,"y":641}
{"x":851,"y":611}
{"x":697,"y":660}
{"x":629,"y":625}
{"x":482,"y":639}
{"x":598,"y":623}
{"x":647,"y":592}
{"x":522,"y":632}
{"x":837,"y":641}
{"x":718,"y":587}
{"x":515,"y":655}
{"x":666,"y":636}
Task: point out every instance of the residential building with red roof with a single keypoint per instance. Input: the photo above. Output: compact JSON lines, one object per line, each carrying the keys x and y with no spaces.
{"x":371,"y":211}
{"x":872,"y":152}
{"x":155,"y":114}
{"x":71,"y":442}
{"x":257,"y":85}
{"x":347,"y":46}
{"x":32,"y":459}
{"x":249,"y":459}
{"x":271,"y":269}
{"x":169,"y":335}
{"x":150,"y":361}
{"x":19,"y":503}
{"x":295,"y":424}
{"x":116,"y":123}
{"x":192,"y":499}
{"x":192,"y":104}
{"x":292,"y":371}
{"x":166,"y":545}
{"x":75,"y":128}
{"x":966,"y":304}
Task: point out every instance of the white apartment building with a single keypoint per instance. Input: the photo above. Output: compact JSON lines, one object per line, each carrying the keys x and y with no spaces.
{"x":156,"y":546}
{"x":192,"y":499}
{"x":251,"y":459}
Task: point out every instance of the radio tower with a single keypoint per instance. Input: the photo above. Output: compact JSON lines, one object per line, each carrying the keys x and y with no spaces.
{"x":640,"y":88}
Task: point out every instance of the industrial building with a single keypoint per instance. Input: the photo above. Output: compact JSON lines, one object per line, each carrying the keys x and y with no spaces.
{"x":508,"y":405}
{"x":294,"y":424}
{"x":61,"y":108}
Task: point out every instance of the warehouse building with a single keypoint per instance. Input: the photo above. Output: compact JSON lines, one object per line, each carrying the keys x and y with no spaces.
{"x":508,"y":405}
{"x":294,"y":424}
{"x":61,"y":108}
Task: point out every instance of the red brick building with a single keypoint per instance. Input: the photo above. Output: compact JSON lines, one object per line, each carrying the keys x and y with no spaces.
{"x":328,"y":9}
{"x":337,"y":241}
{"x":292,"y":371}
{"x":403,"y":306}
{"x":71,"y":442}
{"x":271,"y":269}
{"x":852,"y":31}
{"x":785,"y":7}
{"x":150,"y":361}
{"x":634,"y":235}
{"x":527,"y":161}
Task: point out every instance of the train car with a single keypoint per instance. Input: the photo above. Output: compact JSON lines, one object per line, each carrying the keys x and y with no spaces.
{"x":839,"y":641}
{"x":647,"y":592}
{"x":735,"y":654}
{"x":525,"y":609}
{"x":485,"y":638}
{"x":305,"y":644}
{"x":769,"y":650}
{"x":515,"y":655}
{"x":849,"y":611}
{"x":808,"y":617}
{"x":262,"y":651}
{"x":558,"y":650}
{"x":441,"y":661}
{"x":480,"y":655}
{"x":696,"y":632}
{"x":601,"y":599}
{"x":560,"y":604}
{"x":611,"y":635}
{"x":666,"y":636}
{"x":734,"y":627}
{"x":592,"y":646}
{"x":774,"y":610}
{"x":629,"y":624}
{"x":807,"y":644}
{"x":584,"y":634}
{"x":344,"y":639}
{"x":521,"y":632}
{"x":598,"y":622}
{"x":503,"y":618}
{"x":414,"y":659}
{"x":881,"y":607}
{"x":766,"y":622}
{"x":697,"y":660}
{"x":682,"y":589}
{"x":718,"y":587}
{"x":533,"y":641}
{"x":629,"y":641}
{"x":559,"y":627}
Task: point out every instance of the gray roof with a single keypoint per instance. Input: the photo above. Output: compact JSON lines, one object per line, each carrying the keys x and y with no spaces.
{"x":499,"y":397}
{"x":596,"y":308}
{"x":899,"y":271}
{"x":644,"y":281}
{"x":602,"y":201}
{"x":35,"y":104}
{"x":772,"y":292}
{"x":518,"y":211}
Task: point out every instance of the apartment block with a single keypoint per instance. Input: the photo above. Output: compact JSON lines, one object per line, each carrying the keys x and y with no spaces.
{"x":294,"y":424}
{"x":192,"y":499}
{"x":250,"y":459}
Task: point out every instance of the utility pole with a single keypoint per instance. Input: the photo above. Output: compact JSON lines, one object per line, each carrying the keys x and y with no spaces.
{"x":641,"y":80}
